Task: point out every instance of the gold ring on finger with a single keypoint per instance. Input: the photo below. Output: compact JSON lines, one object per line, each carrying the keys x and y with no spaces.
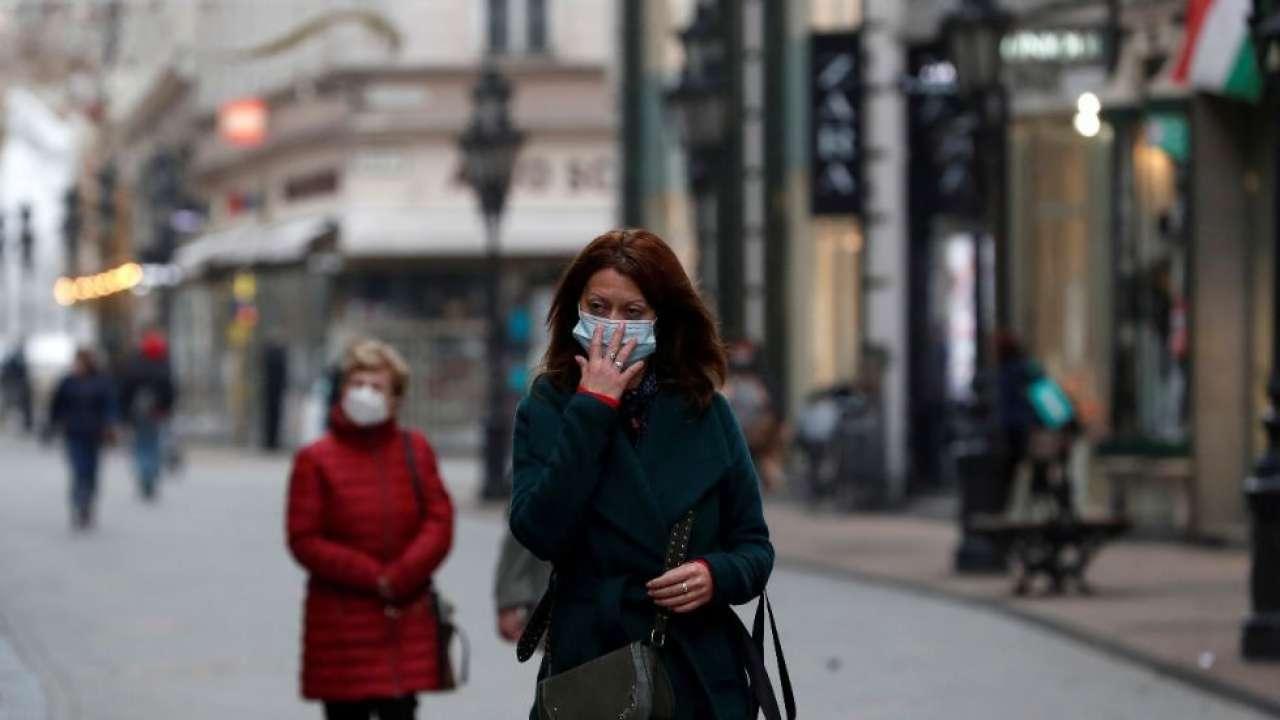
{"x":617,"y":364}
{"x":684,"y":588}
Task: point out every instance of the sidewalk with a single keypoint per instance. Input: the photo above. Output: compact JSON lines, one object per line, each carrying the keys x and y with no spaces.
{"x":1175,"y":608}
{"x":21,"y":696}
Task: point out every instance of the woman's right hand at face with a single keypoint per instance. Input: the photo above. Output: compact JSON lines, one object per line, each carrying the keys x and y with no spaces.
{"x":602,"y":370}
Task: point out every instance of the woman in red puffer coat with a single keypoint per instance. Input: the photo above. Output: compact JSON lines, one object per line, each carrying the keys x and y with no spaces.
{"x":370,"y":548}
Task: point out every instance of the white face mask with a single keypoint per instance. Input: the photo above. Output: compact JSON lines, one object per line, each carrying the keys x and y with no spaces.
{"x":365,"y":406}
{"x":642,"y":331}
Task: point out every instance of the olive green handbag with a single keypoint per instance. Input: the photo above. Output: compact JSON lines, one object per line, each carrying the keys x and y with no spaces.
{"x":629,"y":683}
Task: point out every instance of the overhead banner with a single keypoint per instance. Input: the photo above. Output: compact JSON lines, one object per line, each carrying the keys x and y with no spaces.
{"x":836,"y":108}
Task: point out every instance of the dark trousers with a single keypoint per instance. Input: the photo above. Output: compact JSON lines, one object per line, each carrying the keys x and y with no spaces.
{"x":146,"y":455}
{"x":271,"y":416}
{"x":18,"y":398}
{"x":401,"y":708}
{"x":83,"y":452}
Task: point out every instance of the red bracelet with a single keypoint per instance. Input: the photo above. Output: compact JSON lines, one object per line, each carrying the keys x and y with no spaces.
{"x":611,"y":402}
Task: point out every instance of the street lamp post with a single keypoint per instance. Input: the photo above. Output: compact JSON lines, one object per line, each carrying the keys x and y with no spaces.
{"x":489,"y":146}
{"x":1260,"y":637}
{"x":697,"y":105}
{"x":27,"y":249}
{"x":973,"y":34}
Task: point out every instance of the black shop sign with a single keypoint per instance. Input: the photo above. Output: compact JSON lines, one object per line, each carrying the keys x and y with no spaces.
{"x":836,"y":91}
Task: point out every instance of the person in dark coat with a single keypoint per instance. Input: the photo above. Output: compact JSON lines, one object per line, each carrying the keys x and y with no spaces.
{"x":15,"y":383}
{"x":616,"y":442}
{"x":355,"y":523}
{"x":275,"y":378}
{"x":147,"y":396}
{"x":84,"y":410}
{"x":1014,"y":374}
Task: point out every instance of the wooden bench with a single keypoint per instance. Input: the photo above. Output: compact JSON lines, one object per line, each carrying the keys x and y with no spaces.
{"x":1057,"y":542}
{"x":1060,"y":549}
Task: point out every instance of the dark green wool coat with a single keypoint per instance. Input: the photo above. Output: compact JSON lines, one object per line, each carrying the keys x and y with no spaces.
{"x":601,"y":510}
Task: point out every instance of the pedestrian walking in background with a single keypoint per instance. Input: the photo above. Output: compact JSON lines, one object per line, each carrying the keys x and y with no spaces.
{"x":369,"y":519}
{"x":753,"y":406}
{"x":15,"y":387}
{"x":84,"y":411}
{"x":275,"y":380}
{"x":622,"y":439}
{"x":519,"y":581}
{"x":1014,"y":373}
{"x":146,"y":397}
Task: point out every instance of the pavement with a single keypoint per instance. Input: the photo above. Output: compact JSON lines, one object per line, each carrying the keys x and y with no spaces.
{"x":190,"y":608}
{"x":1176,"y":608}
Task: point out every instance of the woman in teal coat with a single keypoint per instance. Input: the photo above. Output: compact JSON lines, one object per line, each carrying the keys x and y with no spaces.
{"x":621,"y":435}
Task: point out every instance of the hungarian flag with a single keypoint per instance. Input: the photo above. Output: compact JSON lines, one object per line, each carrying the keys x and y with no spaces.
{"x":1217,"y":53}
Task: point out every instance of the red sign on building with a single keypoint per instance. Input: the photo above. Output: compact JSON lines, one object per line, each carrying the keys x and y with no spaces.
{"x":243,"y":123}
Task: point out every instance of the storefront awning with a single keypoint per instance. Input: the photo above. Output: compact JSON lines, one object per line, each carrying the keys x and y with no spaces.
{"x":277,"y":243}
{"x":378,"y":233}
{"x":459,"y":232}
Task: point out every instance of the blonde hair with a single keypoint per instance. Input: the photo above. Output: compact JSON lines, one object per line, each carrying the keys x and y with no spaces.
{"x":375,"y":355}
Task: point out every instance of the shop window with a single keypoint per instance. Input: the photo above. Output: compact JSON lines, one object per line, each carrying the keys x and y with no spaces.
{"x":311,"y":185}
{"x":1151,"y":374}
{"x":836,"y":290}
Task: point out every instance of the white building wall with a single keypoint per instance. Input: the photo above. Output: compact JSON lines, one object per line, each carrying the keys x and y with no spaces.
{"x":37,"y":162}
{"x":440,"y":32}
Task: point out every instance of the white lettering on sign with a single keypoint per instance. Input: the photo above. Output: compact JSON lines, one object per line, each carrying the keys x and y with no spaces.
{"x":836,"y":106}
{"x":541,"y":174}
{"x":835,"y":72}
{"x":1062,"y":46}
{"x":836,"y":142}
{"x":837,"y":130}
{"x":396,"y":97}
{"x":837,"y":178}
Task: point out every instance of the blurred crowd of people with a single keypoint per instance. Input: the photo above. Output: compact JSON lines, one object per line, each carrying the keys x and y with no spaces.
{"x":92,"y":407}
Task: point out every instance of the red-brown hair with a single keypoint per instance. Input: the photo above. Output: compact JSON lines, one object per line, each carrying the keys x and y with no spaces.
{"x":690,"y":356}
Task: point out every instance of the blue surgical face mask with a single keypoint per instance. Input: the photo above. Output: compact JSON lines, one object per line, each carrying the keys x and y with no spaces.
{"x":639,"y":330}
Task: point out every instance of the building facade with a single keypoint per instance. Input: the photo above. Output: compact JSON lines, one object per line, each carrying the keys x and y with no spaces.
{"x":1130,"y":258}
{"x":39,"y":160}
{"x":1137,"y":248}
{"x":821,"y":295}
{"x":343,"y":213}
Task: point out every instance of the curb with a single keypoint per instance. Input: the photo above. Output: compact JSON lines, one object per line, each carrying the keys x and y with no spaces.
{"x":1213,"y":686}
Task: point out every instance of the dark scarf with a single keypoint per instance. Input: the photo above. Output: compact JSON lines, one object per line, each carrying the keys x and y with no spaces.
{"x":635,"y":406}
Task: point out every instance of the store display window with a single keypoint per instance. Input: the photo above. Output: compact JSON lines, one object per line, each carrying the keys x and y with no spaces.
{"x":1152,"y":245}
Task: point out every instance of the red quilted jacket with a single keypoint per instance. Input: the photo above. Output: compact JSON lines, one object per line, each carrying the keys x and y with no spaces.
{"x":352,"y":518}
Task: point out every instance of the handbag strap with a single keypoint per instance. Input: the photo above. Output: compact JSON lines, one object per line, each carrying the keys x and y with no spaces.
{"x":677,"y":551}
{"x":540,"y":618}
{"x":419,"y":495}
{"x":537,"y":624}
{"x":413,"y":473}
{"x":752,"y":647}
